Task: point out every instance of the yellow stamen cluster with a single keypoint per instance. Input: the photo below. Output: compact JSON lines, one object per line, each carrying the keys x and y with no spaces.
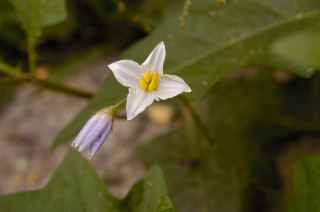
{"x":149,"y":81}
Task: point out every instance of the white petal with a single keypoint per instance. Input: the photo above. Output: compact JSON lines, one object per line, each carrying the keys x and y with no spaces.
{"x":127,"y":72}
{"x":170,"y":86}
{"x":155,"y":60}
{"x":137,"y":101}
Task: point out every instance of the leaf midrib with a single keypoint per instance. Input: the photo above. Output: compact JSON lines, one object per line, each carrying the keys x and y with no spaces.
{"x":268,"y":27}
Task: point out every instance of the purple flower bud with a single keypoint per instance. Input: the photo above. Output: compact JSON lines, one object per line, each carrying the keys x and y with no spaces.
{"x":94,"y":133}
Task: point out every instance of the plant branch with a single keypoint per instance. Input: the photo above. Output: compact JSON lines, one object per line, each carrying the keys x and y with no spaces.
{"x":8,"y":81}
{"x":293,"y":123}
{"x":13,"y":72}
{"x":16,"y":75}
{"x":63,"y":88}
{"x":198,"y":122}
{"x":31,"y":55}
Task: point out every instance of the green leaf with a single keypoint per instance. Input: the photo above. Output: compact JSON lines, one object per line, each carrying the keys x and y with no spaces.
{"x":147,"y":192}
{"x":208,"y":180}
{"x":35,"y":14}
{"x":77,"y":61}
{"x":306,"y":186}
{"x":302,"y":48}
{"x":76,"y":187}
{"x":219,"y":39}
{"x":216,"y":40}
{"x":219,"y":175}
{"x":293,"y":116}
{"x":224,"y":175}
{"x":52,"y":12}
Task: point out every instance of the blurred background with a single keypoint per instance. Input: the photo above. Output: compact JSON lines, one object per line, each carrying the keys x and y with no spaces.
{"x":252,"y":66}
{"x":75,"y":51}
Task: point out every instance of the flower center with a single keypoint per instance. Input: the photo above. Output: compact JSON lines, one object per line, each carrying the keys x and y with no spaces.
{"x":149,"y":81}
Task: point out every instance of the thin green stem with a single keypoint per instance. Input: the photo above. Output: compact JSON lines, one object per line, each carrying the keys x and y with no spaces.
{"x":120,"y":116}
{"x":31,"y":55}
{"x":293,"y":123}
{"x":63,"y":88}
{"x":33,"y":31}
{"x":120,"y":103}
{"x":13,"y":72}
{"x":17,"y":75}
{"x":11,"y":81}
{"x":115,"y":107}
{"x":198,"y":122}
{"x":185,"y":12}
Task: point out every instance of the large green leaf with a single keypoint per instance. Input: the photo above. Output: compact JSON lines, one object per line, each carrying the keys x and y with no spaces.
{"x":35,"y":14}
{"x":302,"y":48}
{"x":209,"y":178}
{"x":219,"y":176}
{"x":218,"y":39}
{"x":305,"y":194}
{"x":215,"y":40}
{"x":225,"y":175}
{"x":76,"y":187}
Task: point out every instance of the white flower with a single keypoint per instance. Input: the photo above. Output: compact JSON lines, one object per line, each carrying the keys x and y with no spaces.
{"x":94,"y":133}
{"x":147,"y":82}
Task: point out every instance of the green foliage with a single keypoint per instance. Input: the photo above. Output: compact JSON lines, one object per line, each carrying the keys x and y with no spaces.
{"x":148,"y":195}
{"x":205,"y":179}
{"x":302,"y":48}
{"x":224,"y":167}
{"x":76,"y":62}
{"x":215,"y":40}
{"x":304,"y":196}
{"x":231,"y":172}
{"x":76,"y":187}
{"x":218,"y":39}
{"x":35,"y":14}
{"x":219,"y":175}
{"x":293,"y":115}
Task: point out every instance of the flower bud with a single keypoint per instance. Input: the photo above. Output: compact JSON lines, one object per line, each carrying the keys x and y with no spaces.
{"x":94,"y":133}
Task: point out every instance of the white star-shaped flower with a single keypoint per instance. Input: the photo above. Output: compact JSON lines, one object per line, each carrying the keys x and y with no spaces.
{"x":147,"y":82}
